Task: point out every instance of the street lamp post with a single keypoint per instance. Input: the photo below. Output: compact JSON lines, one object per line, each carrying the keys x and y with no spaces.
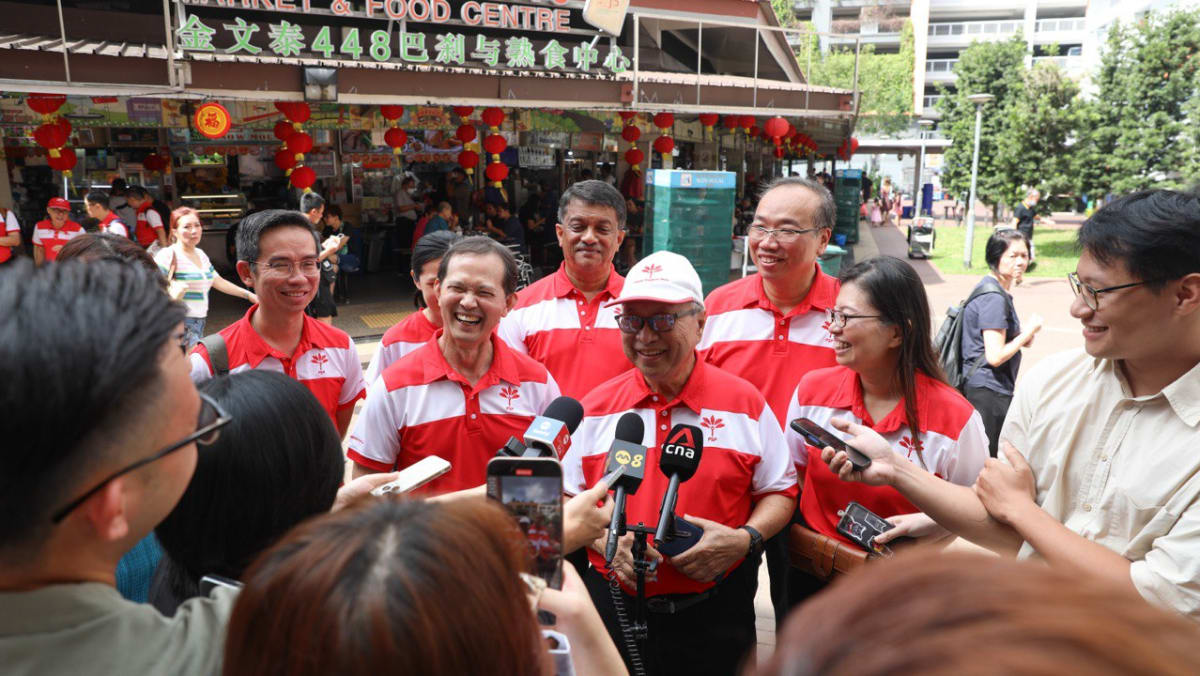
{"x":979,"y":100}
{"x":923,"y":124}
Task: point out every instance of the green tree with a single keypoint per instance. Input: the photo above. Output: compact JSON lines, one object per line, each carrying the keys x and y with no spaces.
{"x":995,"y":68}
{"x":885,"y":81}
{"x":1141,"y":135}
{"x":785,"y":13}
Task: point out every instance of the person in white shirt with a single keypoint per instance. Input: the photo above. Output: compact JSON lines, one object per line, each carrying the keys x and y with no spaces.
{"x":1099,"y":472}
{"x":97,"y":204}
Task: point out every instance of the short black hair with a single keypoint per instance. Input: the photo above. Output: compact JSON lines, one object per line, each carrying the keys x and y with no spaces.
{"x":1155,"y":233}
{"x":481,"y":246}
{"x":310,"y":201}
{"x":826,"y":215}
{"x":252,"y":227}
{"x":276,"y":464}
{"x":999,"y":242}
{"x":97,"y":197}
{"x":333,"y":210}
{"x":596,"y":193}
{"x":105,"y":246}
{"x":430,"y":247}
{"x":137,"y":192}
{"x":73,"y":401}
{"x":119,"y":185}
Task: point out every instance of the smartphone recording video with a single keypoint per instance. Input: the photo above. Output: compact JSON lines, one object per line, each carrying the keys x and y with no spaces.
{"x":531,"y":490}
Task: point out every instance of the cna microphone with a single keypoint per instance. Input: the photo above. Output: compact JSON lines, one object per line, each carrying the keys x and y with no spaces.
{"x":628,"y":451}
{"x":680,"y":458}
{"x":549,"y":435}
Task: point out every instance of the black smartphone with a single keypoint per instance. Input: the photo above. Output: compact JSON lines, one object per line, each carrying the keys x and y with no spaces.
{"x":820,"y":437}
{"x":862,"y":525}
{"x":531,"y":489}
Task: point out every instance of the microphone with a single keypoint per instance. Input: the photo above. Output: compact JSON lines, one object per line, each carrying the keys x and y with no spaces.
{"x":549,"y":435}
{"x":680,"y":458}
{"x":626,"y":450}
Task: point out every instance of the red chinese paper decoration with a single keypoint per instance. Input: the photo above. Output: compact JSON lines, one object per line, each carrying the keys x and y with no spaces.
{"x":45,"y":104}
{"x":463,"y":111}
{"x":493,"y":117}
{"x":495,"y":144}
{"x":468,"y":160}
{"x":65,"y":124}
{"x":776,"y":128}
{"x":285,"y":160}
{"x":664,"y":145}
{"x":297,"y":112}
{"x":395,"y":138}
{"x":754,"y":131}
{"x":664,"y":120}
{"x":283,"y":130}
{"x":497,"y":172}
{"x":627,"y":115}
{"x":465,"y":133}
{"x":634,"y":157}
{"x":778,"y":151}
{"x":299,"y":143}
{"x":65,"y":161}
{"x":304,"y":178}
{"x":631,"y":134}
{"x":730,"y":122}
{"x":51,"y":137}
{"x":709,"y":120}
{"x":391,"y":113}
{"x":745,"y":122}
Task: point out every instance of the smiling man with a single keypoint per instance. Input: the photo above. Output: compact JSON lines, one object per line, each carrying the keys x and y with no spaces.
{"x":51,"y":234}
{"x":465,"y":392}
{"x":278,"y":259}
{"x":562,"y":317}
{"x":1100,"y":472}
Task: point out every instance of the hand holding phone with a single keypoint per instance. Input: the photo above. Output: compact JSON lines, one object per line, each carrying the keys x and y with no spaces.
{"x":414,"y":476}
{"x":820,"y":437}
{"x":531,"y":490}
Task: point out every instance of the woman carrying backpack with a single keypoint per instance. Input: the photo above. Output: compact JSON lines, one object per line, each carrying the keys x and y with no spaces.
{"x":992,"y":337}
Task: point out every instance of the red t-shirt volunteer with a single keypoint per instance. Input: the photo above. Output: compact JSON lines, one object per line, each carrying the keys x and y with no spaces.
{"x":953,"y":444}
{"x":747,"y":335}
{"x":744,"y":456}
{"x":148,"y":221}
{"x":405,"y":336}
{"x":112,"y":223}
{"x":421,"y":406}
{"x":578,"y":341}
{"x":325,"y":361}
{"x":52,"y":239}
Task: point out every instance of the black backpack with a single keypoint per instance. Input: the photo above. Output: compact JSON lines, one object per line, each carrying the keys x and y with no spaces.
{"x":948,"y":342}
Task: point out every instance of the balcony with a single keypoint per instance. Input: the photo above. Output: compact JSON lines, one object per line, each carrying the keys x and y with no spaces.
{"x":1073,"y":65}
{"x":930,"y":102}
{"x":939,"y":70}
{"x":1060,"y":31}
{"x":962,"y":33}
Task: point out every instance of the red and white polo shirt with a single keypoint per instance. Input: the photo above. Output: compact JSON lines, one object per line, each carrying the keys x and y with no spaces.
{"x":744,"y":456}
{"x":407,"y":335}
{"x":746,"y":335}
{"x":148,"y":221}
{"x":421,"y":406}
{"x":953,"y":444}
{"x":325,"y":361}
{"x":112,"y":223}
{"x":8,"y":226}
{"x":52,"y":239}
{"x":578,"y":341}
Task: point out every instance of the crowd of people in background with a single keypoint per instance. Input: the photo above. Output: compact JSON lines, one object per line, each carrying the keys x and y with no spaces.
{"x":177,"y":502}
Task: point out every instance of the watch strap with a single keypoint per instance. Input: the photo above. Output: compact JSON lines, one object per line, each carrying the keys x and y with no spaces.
{"x":756,"y":540}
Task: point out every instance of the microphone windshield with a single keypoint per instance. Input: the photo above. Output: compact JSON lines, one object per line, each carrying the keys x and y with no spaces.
{"x":681,"y":451}
{"x":567,"y":410}
{"x":630,"y":428}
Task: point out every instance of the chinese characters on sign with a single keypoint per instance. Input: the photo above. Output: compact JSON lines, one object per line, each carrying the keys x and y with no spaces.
{"x":213,"y":120}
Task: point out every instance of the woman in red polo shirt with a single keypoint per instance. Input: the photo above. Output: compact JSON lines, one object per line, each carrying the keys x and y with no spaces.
{"x":889,"y":379}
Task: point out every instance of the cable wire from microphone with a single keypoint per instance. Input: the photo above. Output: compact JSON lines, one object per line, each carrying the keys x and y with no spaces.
{"x":627,"y":632}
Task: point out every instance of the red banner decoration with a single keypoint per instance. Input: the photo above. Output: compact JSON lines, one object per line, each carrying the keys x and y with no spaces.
{"x":304,"y":178}
{"x":212,"y":120}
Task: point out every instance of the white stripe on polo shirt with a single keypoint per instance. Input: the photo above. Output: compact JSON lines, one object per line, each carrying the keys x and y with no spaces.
{"x":405,"y":336}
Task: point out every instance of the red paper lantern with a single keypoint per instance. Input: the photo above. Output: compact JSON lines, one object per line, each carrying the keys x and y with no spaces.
{"x":303,"y":178}
{"x":391,"y":113}
{"x":730,"y":122}
{"x":754,"y":131}
{"x":300,"y":143}
{"x":776,"y":127}
{"x":152,"y":163}
{"x":791,"y":132}
{"x":497,"y":172}
{"x":468,"y":159}
{"x":493,"y":117}
{"x":746,"y":121}
{"x":65,"y":124}
{"x":664,"y":144}
{"x":494,"y":144}
{"x":634,"y":157}
{"x":631,"y":134}
{"x":45,"y":103}
{"x":465,"y":133}
{"x":395,"y":138}
{"x":709,"y":119}
{"x":627,"y":115}
{"x":283,"y":130}
{"x":853,"y":145}
{"x":285,"y":159}
{"x":65,"y":161}
{"x":778,"y":152}
{"x":50,"y":136}
{"x":664,"y":120}
{"x":463,"y":111}
{"x":296,"y":111}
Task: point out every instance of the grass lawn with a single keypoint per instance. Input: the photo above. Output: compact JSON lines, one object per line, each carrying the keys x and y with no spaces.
{"x":1055,"y":250}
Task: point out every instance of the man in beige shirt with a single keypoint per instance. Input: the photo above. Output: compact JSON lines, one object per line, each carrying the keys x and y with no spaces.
{"x":1101,"y":473}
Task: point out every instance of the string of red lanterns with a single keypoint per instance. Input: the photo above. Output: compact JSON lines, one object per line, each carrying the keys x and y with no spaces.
{"x":495,"y":144}
{"x":54,"y":132}
{"x":296,"y":143}
{"x":664,"y":143}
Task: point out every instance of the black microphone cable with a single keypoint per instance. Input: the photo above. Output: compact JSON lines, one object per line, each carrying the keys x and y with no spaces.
{"x":627,"y":632}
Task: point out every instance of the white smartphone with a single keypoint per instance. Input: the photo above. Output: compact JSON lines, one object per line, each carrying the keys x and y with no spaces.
{"x":415,"y":475}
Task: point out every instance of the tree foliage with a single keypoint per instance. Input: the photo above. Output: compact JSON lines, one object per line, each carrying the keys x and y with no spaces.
{"x":885,"y":81}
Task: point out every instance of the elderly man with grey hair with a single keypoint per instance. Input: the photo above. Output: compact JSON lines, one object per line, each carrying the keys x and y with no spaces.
{"x":561,"y":320}
{"x":771,"y":327}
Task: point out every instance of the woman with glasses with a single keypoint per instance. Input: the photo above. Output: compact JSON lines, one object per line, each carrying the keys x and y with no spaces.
{"x":992,"y":338}
{"x":184,"y":261}
{"x":889,"y":379}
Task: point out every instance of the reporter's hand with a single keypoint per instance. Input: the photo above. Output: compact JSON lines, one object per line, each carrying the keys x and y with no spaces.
{"x":592,"y":650}
{"x":622,"y":563}
{"x":583,"y":520}
{"x":915,"y":525}
{"x":882,"y":470}
{"x":363,"y":485}
{"x":718,"y":549}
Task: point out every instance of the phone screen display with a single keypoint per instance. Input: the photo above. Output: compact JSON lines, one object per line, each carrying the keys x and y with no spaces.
{"x":536,"y":504}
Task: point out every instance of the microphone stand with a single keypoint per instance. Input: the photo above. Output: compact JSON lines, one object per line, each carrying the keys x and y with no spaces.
{"x":641,"y":565}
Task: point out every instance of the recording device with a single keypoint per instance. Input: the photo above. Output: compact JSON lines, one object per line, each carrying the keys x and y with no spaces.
{"x":861,"y":525}
{"x":414,"y":476}
{"x":679,"y":461}
{"x":820,"y":437}
{"x":626,"y":450}
{"x":549,"y":435}
{"x":531,"y":490}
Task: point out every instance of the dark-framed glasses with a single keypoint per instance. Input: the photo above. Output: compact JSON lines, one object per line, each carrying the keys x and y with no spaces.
{"x":1091,"y":296}
{"x":208,"y":429}
{"x":782,"y":235}
{"x":658,"y":323}
{"x":839,"y":319}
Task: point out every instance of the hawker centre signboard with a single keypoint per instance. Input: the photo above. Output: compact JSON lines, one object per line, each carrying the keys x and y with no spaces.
{"x":558,"y":49}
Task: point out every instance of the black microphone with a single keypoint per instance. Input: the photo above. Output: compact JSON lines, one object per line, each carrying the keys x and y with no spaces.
{"x":680,"y":458}
{"x":626,"y":450}
{"x":549,"y":435}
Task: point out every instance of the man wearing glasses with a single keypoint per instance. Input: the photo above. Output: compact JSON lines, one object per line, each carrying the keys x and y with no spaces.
{"x":701,"y":615}
{"x":1100,"y":472}
{"x":278,"y":258}
{"x":771,"y":327}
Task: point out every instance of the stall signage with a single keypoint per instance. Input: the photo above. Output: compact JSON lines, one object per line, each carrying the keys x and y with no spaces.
{"x":213,"y":120}
{"x":289,"y":40}
{"x":535,"y":158}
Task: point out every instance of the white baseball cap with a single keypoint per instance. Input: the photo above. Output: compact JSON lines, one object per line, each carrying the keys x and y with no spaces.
{"x":664,"y":277}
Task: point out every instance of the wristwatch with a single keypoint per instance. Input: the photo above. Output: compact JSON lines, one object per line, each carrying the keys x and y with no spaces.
{"x":756,"y":541}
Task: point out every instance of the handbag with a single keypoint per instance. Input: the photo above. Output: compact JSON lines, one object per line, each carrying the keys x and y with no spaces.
{"x":820,"y":555}
{"x":175,"y":288}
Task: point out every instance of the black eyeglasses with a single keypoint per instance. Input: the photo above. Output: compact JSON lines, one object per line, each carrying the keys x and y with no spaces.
{"x":1092,"y":297}
{"x":208,"y":429}
{"x":658,"y":323}
{"x":839,"y":319}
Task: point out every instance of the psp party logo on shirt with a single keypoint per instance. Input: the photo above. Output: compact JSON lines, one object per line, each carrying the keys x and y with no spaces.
{"x":712,"y":423}
{"x":509,"y":393}
{"x":320,"y":360}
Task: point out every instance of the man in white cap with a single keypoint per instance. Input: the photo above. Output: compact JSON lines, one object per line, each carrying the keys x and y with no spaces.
{"x":701,"y":601}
